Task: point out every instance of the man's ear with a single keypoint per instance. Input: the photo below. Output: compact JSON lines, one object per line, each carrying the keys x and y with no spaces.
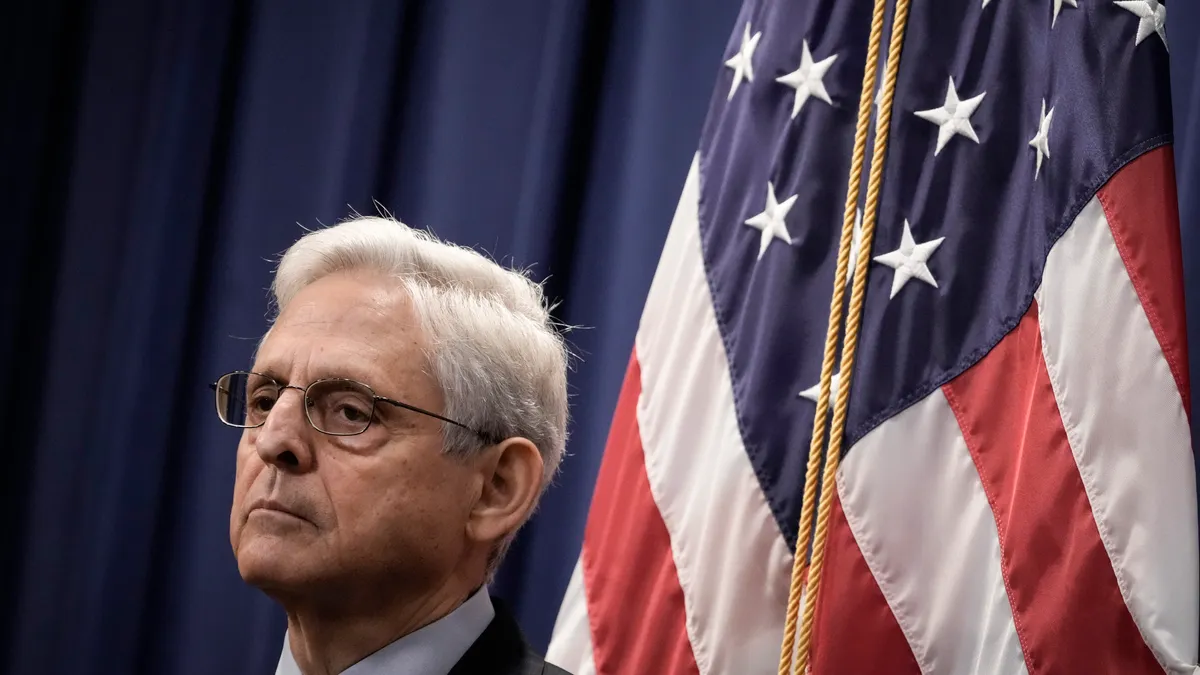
{"x":512,"y":479}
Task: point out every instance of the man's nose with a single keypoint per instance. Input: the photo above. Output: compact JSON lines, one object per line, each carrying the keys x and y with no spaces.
{"x":285,"y":439}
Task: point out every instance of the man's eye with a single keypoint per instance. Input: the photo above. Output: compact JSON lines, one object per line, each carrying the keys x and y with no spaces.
{"x":353,"y":413}
{"x":262,"y":402}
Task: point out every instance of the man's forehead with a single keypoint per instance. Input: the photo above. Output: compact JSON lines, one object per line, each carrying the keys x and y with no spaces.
{"x":341,"y":298}
{"x":348,"y":325}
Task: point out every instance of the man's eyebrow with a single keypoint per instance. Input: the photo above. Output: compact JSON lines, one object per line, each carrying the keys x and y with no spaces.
{"x":269,"y":371}
{"x":348,"y":371}
{"x":340,"y":372}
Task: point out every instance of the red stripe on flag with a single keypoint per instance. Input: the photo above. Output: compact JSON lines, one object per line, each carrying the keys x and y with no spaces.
{"x":862,"y":635}
{"x":1067,"y":607}
{"x":1143,"y":214}
{"x":635,"y":603}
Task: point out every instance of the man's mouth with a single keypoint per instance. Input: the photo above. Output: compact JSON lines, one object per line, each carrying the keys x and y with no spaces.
{"x":272,"y":506}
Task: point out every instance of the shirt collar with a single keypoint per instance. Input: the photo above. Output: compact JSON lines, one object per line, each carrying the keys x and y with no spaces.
{"x":432,"y":650}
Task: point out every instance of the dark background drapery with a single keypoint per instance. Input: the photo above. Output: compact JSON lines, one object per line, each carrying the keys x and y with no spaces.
{"x":154,"y":156}
{"x":1184,"y":35}
{"x":157,"y":154}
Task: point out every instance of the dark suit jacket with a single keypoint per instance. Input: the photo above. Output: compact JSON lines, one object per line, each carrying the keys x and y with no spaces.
{"x":502,"y":650}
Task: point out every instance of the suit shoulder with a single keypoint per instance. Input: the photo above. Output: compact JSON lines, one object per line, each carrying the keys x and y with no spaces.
{"x":502,"y":650}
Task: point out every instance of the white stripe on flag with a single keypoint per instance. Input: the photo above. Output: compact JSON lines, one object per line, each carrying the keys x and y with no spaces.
{"x":733,"y":563}
{"x":1128,"y":431}
{"x":571,"y":645}
{"x":916,"y":506}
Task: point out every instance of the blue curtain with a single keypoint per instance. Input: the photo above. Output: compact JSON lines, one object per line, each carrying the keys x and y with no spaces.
{"x":1184,"y":35}
{"x":156,"y":155}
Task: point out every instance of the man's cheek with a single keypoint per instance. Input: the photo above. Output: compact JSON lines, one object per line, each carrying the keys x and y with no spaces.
{"x":248,"y":469}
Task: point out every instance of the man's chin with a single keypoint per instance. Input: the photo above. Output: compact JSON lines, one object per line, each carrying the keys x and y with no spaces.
{"x":272,"y":564}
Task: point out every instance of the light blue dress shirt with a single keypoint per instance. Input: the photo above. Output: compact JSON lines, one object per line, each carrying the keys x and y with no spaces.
{"x":432,"y":650}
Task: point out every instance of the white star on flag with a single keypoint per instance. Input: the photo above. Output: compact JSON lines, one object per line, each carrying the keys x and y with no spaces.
{"x":814,"y":392}
{"x":743,"y":61}
{"x":1041,"y":141}
{"x":855,"y":245}
{"x":954,"y":117}
{"x":880,"y":77}
{"x":807,"y":79}
{"x":772,"y":221}
{"x":910,"y":260}
{"x":1153,"y":15}
{"x":1058,"y":5}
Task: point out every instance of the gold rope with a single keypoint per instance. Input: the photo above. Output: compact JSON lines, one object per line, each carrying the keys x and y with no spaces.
{"x":800,"y":560}
{"x":854,"y":322}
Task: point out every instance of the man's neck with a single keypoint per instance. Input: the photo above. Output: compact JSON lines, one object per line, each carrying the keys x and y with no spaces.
{"x":327,"y":640}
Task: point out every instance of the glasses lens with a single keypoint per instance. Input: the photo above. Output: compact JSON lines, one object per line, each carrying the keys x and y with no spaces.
{"x":244,"y":399}
{"x":340,"y":407}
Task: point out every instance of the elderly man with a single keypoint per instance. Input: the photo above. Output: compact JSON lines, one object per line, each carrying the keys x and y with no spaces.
{"x":403,"y":414}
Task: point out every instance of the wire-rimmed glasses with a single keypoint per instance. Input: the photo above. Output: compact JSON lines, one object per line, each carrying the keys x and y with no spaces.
{"x":334,"y":406}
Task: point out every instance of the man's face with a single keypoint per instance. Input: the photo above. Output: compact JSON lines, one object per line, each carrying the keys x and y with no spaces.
{"x":316,"y":515}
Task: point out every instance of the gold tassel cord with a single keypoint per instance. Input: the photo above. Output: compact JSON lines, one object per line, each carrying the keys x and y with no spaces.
{"x":799,"y":564}
{"x":853,"y":324}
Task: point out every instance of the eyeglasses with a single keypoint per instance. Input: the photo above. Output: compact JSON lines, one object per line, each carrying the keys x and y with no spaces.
{"x":333,"y":406}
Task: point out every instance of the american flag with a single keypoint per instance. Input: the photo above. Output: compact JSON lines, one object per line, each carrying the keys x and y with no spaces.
{"x":1017,"y":490}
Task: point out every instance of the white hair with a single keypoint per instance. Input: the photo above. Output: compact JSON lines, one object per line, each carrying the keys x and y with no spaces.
{"x":493,"y":349}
